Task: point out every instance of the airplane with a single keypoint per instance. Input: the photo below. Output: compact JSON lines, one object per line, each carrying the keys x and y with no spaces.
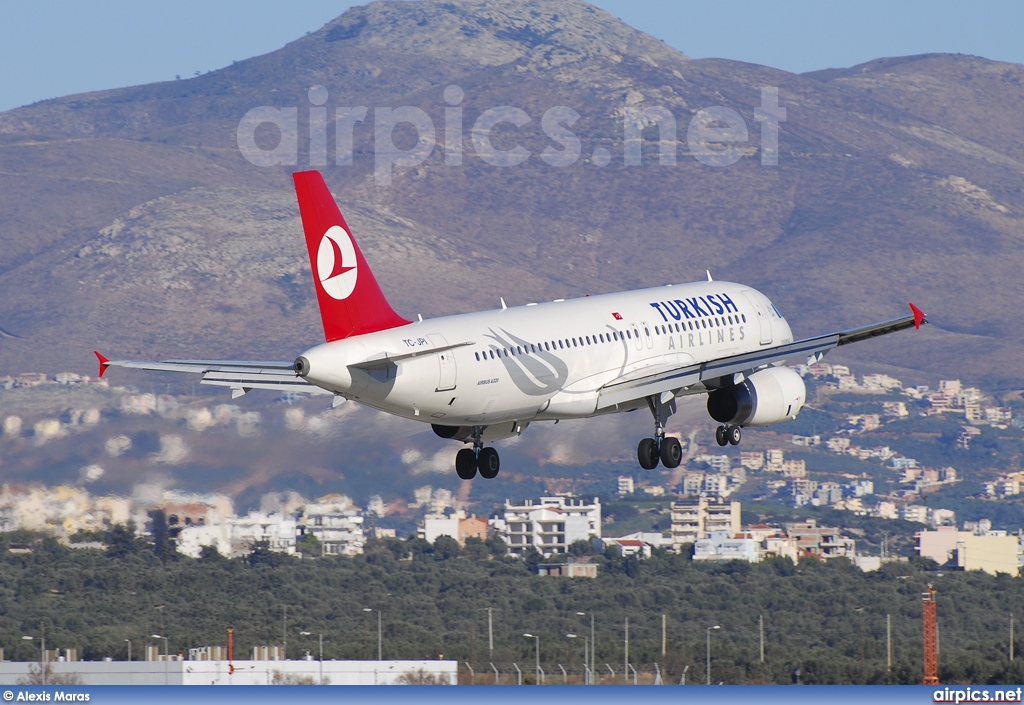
{"x":482,"y":377}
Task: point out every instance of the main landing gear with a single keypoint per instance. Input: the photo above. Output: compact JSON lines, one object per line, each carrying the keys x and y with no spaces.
{"x":728,"y":435}
{"x":469,"y":461}
{"x":661,"y":448}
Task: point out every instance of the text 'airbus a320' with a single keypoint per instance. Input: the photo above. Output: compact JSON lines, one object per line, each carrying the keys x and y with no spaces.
{"x":481,"y":377}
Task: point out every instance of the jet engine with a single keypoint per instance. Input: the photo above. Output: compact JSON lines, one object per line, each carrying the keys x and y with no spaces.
{"x":764,"y":398}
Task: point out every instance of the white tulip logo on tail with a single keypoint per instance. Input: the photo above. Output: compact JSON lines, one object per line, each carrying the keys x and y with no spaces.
{"x":336,"y":263}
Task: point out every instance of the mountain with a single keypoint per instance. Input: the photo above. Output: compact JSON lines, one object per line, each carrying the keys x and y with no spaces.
{"x":133,"y":223}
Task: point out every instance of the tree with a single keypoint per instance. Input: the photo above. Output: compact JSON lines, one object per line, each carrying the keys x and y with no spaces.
{"x":164,"y":544}
{"x":579,"y":547}
{"x":446,"y":547}
{"x":310,"y":546}
{"x":210,"y":554}
{"x":497,"y":546}
{"x":532,"y":558}
{"x":262,"y":555}
{"x":121,"y":540}
{"x":475,"y":549}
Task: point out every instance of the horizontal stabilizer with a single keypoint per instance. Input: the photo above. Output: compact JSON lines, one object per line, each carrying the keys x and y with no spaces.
{"x":237,"y":374}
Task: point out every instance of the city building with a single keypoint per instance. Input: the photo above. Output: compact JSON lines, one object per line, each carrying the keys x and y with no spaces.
{"x":551,"y":525}
{"x":572,"y":569}
{"x":204,"y":671}
{"x":914,"y":512}
{"x":696,"y":519}
{"x":458,"y":526}
{"x":982,"y":549}
{"x":820,"y":541}
{"x":752,"y":459}
{"x":625,"y":485}
{"x":277,"y":531}
{"x":336,"y":524}
{"x":628,"y":546}
{"x":725,"y":546}
{"x":806,"y":441}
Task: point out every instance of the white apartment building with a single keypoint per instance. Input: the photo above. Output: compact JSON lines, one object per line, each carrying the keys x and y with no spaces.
{"x":551,"y":525}
{"x":914,"y":512}
{"x":336,"y":524}
{"x":697,"y":518}
{"x":752,"y":459}
{"x":278,"y":530}
{"x":725,"y":546}
{"x":716,"y":485}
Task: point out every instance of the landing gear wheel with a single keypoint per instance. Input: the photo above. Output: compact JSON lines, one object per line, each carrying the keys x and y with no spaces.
{"x":671,"y":452}
{"x":735,"y":434}
{"x":488,"y":463}
{"x":647,"y":454}
{"x":465,"y":464}
{"x":721,"y":436}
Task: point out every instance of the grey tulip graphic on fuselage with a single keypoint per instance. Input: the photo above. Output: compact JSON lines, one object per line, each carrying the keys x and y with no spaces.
{"x":534,"y":371}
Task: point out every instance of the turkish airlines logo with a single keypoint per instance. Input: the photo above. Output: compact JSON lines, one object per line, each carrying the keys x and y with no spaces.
{"x":336,"y":263}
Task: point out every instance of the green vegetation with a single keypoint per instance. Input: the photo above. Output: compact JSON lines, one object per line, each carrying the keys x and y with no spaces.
{"x":432,"y":600}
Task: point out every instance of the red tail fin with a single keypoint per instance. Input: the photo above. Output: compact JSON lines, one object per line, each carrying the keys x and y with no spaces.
{"x":351,"y":302}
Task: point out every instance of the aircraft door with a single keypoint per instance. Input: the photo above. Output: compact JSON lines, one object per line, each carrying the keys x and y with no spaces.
{"x":446,"y":364}
{"x":648,"y":337}
{"x":763,"y":322}
{"x":636,"y":337}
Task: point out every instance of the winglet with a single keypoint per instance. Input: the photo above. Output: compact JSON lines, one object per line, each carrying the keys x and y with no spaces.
{"x":104,"y":362}
{"x":919,"y":316}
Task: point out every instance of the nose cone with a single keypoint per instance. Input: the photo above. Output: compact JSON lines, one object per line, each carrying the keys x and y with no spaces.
{"x":326,"y":366}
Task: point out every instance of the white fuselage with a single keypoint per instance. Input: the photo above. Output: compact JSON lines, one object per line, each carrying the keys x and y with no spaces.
{"x":544,"y":361}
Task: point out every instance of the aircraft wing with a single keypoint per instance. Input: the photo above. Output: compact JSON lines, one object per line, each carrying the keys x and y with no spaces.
{"x":239,"y":375}
{"x":680,"y":379}
{"x":384,"y":360}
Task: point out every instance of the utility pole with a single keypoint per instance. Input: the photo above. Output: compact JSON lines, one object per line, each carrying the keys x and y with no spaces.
{"x":888,"y":643}
{"x":490,"y":632}
{"x":1011,"y":636}
{"x":860,"y":633}
{"x":284,"y":631}
{"x":664,"y":633}
{"x":593,"y":648}
{"x":760,"y":628}
{"x":625,"y":669}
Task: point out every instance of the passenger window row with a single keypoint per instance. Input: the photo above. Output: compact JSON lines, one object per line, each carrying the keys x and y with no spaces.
{"x":564,"y":344}
{"x":703,"y":323}
{"x":614,"y":336}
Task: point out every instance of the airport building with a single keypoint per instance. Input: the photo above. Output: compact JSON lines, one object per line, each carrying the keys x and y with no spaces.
{"x":175,"y":671}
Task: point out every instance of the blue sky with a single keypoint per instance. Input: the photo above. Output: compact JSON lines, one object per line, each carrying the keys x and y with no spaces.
{"x":49,"y":49}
